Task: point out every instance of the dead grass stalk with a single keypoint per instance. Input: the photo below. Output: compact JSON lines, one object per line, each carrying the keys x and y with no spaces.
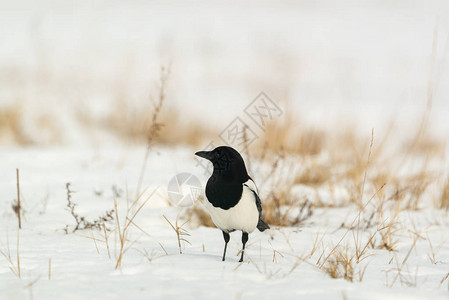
{"x":181,"y":233}
{"x":123,"y":230}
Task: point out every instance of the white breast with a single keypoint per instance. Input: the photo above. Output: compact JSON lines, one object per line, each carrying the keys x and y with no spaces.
{"x":243,"y":216}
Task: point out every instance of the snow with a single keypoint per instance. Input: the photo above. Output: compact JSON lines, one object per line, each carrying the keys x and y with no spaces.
{"x":337,"y":65}
{"x":153,"y":267}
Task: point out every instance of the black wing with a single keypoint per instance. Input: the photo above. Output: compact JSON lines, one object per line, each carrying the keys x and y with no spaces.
{"x":261,"y":225}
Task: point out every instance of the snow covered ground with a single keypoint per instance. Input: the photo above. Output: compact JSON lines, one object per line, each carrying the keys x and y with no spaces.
{"x":278,"y":262}
{"x":65,"y":65}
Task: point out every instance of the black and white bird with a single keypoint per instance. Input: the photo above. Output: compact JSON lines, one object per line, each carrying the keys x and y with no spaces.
{"x":232,"y":197}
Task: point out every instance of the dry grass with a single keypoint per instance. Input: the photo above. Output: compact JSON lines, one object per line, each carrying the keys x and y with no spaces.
{"x":401,"y":271}
{"x":14,"y":123}
{"x":18,"y":207}
{"x":284,"y":136}
{"x":314,"y":174}
{"x":444,"y":279}
{"x":342,"y":264}
{"x":444,"y":199}
{"x":123,"y":229}
{"x":198,"y":215}
{"x":49,"y":269}
{"x":388,"y":239}
{"x":432,"y":255}
{"x":151,"y":122}
{"x":356,"y":166}
{"x":11,"y":125}
{"x":13,"y":264}
{"x":152,"y":131}
{"x":283,"y":208}
{"x":130,"y":123}
{"x":181,"y":232}
{"x":296,"y":154}
{"x":281,"y":205}
{"x":411,"y":189}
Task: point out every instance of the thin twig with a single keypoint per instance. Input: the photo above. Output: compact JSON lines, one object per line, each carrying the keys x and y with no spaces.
{"x":106,"y":240}
{"x":18,"y":255}
{"x":19,"y":207}
{"x":361,"y":194}
{"x":180,"y":232}
{"x":93,"y":237}
{"x":49,"y":269}
{"x":155,"y":127}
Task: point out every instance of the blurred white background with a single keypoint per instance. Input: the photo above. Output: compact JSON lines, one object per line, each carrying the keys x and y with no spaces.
{"x":359,"y":62}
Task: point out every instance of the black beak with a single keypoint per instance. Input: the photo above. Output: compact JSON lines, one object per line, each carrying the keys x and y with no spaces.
{"x":204,"y":154}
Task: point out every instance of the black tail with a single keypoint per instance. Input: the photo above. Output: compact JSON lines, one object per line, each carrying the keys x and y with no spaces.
{"x":261,"y":225}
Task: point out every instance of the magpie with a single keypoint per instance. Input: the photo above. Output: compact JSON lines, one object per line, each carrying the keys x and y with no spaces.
{"x":232,"y":197}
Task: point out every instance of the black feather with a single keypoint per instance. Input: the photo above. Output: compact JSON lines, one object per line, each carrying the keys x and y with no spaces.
{"x":261,"y":225}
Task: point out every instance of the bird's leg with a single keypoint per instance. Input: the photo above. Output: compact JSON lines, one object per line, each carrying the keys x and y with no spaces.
{"x":244,"y":240}
{"x":226,"y":238}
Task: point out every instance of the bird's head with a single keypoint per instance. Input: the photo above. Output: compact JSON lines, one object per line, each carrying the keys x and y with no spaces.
{"x":228,"y":163}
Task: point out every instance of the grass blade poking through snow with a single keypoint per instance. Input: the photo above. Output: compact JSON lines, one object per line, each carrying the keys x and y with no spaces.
{"x":15,"y":268}
{"x":19,"y":207}
{"x":180,"y":232}
{"x":123,"y":232}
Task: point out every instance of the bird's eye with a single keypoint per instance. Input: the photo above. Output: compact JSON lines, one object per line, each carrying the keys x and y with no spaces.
{"x":217,"y":154}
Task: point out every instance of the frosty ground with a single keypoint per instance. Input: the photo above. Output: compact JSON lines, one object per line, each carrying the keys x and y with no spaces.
{"x":77,"y":80}
{"x":279,"y":263}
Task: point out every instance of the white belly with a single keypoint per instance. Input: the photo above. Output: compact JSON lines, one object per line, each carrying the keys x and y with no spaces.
{"x":243,"y":216}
